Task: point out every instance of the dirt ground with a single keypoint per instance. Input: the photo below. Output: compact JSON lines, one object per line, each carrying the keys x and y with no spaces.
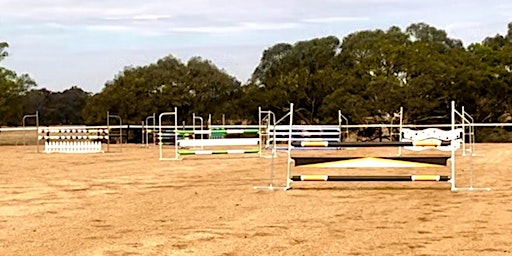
{"x":130,"y":203}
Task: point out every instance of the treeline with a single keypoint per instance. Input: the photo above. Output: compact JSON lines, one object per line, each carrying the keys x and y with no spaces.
{"x":368,"y":75}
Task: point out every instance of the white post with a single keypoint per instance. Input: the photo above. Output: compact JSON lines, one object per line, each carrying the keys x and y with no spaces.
{"x":340,"y":116}
{"x":160,"y":137}
{"x":452,"y":181}
{"x":289,"y":157}
{"x":194,"y":117}
{"x":400,"y":129}
{"x":152,"y":130}
{"x":259,"y":132}
{"x":463,"y":132}
{"x":176,"y":154}
{"x":143,"y":130}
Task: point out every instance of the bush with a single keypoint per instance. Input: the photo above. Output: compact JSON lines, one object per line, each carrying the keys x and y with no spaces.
{"x":493,"y":135}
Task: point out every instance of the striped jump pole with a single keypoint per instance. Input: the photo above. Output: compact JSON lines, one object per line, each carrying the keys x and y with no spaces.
{"x":218,"y":131}
{"x":410,"y":178}
{"x":219,"y":152}
{"x":427,"y":143}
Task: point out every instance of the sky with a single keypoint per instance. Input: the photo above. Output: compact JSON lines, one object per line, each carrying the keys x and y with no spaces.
{"x":62,"y":43}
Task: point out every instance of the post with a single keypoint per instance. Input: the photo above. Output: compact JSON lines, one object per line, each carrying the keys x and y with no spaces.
{"x":120,"y":130}
{"x":194,"y":117}
{"x":176,"y":154}
{"x":271,"y":120}
{"x":175,"y":130}
{"x":23,"y":121}
{"x":340,"y":116}
{"x":452,"y":181}
{"x":147,"y":125}
{"x":108,"y":130}
{"x":463,"y":132}
{"x":289,"y":156}
{"x":400,"y":129}
{"x":37,"y":131}
{"x":259,"y":131}
{"x":142,"y":134}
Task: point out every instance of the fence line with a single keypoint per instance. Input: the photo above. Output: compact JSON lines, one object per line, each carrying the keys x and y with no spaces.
{"x":313,"y":127}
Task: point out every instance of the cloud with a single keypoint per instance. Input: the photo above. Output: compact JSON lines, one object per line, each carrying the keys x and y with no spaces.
{"x":462,"y":25}
{"x":151,"y":17}
{"x":111,"y":28}
{"x":64,"y":27}
{"x":240,"y":27}
{"x":335,"y":19}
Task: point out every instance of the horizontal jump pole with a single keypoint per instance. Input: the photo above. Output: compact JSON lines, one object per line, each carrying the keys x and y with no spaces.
{"x":219,"y":142}
{"x":64,"y":130}
{"x":303,"y":148}
{"x":295,"y":139}
{"x":429,"y":143}
{"x":432,"y":178}
{"x":309,"y":133}
{"x":218,"y":131}
{"x":72,"y":137}
{"x":218,"y":152}
{"x":371,"y":162}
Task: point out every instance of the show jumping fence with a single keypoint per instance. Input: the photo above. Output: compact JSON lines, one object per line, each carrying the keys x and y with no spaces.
{"x":417,"y":140}
{"x":220,"y":140}
{"x":73,"y":140}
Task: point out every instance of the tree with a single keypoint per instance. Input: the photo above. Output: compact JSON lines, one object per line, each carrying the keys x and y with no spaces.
{"x":197,"y":87}
{"x":299,"y":73}
{"x":12,"y":88}
{"x":370,"y":68}
{"x":494,"y":58}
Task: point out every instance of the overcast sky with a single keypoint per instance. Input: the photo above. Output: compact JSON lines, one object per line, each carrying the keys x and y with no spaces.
{"x":61,"y":43}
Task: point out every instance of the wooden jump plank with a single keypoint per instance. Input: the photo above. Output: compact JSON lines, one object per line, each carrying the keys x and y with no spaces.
{"x":371,"y":162}
{"x":369,"y":144}
{"x":394,"y":178}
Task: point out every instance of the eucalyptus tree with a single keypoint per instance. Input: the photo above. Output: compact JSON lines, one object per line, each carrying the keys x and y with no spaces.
{"x":12,"y":89}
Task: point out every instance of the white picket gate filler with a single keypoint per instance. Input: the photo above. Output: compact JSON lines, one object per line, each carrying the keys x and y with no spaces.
{"x":72,"y":140}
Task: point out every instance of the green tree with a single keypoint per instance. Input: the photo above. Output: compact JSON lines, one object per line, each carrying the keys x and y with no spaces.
{"x":197,"y":87}
{"x":370,"y":68}
{"x":301,"y":74}
{"x":494,"y":58}
{"x":12,"y":89}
